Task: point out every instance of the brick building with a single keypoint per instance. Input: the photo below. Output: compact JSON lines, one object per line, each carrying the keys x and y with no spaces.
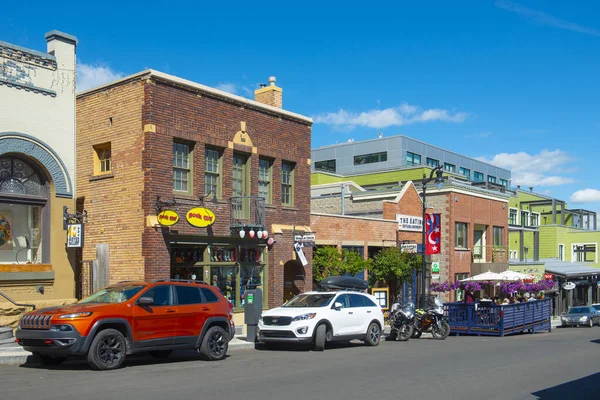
{"x":155,"y":150}
{"x":474,"y":230}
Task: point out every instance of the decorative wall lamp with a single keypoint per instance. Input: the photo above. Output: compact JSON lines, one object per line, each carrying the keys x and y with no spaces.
{"x":213,"y":200}
{"x":260,"y":234}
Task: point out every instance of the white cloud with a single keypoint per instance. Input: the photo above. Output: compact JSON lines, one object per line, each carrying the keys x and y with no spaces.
{"x":405,"y":114}
{"x":586,"y":196}
{"x":533,"y":169}
{"x":227,"y":87}
{"x":545,"y":19}
{"x":93,"y":75}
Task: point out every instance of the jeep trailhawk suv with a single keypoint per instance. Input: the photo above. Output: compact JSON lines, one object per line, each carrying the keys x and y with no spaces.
{"x":131,"y":317}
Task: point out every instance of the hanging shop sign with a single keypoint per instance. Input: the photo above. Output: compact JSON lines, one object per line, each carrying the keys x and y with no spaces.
{"x":200,"y":217}
{"x":549,"y":277}
{"x":300,"y":252}
{"x":409,"y":223}
{"x":75,"y":235}
{"x":568,"y":286}
{"x":409,"y":248}
{"x":168,"y":217}
{"x":306,"y":239}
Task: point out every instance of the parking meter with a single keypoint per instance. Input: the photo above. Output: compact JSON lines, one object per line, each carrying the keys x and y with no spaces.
{"x":252,"y":311}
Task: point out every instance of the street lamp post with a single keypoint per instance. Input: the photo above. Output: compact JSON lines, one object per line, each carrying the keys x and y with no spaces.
{"x":439,"y":182}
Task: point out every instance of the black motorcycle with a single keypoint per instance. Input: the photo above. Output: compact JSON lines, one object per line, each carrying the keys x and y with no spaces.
{"x":402,"y":318}
{"x":431,"y":320}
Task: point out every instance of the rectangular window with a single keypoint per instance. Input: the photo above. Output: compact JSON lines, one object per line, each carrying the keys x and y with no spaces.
{"x":585,"y":253}
{"x":264,"y":179}
{"x":102,"y":159}
{"x":466,"y":173}
{"x":491,"y":179}
{"x":498,"y":236}
{"x":287,"y":183}
{"x":413,"y":158}
{"x":503,"y":182}
{"x":239,"y":176}
{"x":431,"y":162}
{"x":182,"y":168}
{"x":478,"y":176}
{"x":513,"y":216}
{"x":325,"y":166}
{"x":534,"y":219}
{"x":212,"y":172}
{"x":21,"y":233}
{"x":461,"y":235}
{"x":370,"y":158}
{"x":449,"y":167}
{"x":561,"y":252}
{"x":524,"y":218}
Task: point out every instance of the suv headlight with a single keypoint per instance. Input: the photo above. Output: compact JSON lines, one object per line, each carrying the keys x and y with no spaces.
{"x":76,"y":315}
{"x":584,"y":318}
{"x":304,"y":317}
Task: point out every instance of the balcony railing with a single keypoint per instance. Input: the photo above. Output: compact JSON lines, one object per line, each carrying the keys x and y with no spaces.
{"x":495,"y":254}
{"x":247,"y":212}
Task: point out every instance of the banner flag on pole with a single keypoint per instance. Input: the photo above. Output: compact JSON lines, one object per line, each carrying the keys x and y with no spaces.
{"x":433,"y":234}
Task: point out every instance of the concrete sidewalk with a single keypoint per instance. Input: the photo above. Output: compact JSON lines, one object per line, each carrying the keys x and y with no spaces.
{"x":15,"y":355}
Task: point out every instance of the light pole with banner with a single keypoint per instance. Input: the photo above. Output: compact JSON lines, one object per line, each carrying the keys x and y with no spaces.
{"x":439,"y":182}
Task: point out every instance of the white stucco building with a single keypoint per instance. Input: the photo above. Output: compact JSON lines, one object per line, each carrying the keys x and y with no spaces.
{"x":37,"y":169}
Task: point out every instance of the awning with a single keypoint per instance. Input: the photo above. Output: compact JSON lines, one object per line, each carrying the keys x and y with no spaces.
{"x":565,"y":269}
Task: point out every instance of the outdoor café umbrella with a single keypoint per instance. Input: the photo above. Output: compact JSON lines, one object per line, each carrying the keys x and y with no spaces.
{"x":514,"y":276}
{"x":486,"y":276}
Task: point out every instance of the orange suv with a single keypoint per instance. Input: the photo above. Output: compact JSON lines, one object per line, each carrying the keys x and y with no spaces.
{"x":131,"y":317}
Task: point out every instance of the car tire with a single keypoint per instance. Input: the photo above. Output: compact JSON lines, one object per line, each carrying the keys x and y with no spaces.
{"x":161,"y":353}
{"x":590,"y":323}
{"x":373,"y":336}
{"x":215,"y":344}
{"x":45,"y":359}
{"x":108,"y":350}
{"x":320,"y":337}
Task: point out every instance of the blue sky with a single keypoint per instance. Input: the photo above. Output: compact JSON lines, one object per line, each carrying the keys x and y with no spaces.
{"x":515,"y":83}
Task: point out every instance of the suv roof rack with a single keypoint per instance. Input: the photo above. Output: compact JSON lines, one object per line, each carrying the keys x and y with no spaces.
{"x":349,"y":283}
{"x":180,"y":280}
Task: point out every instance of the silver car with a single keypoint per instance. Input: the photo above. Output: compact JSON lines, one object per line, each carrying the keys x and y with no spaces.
{"x":581,"y":315}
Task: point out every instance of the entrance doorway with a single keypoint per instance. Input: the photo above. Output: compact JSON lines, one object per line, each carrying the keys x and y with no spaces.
{"x":293,"y":279}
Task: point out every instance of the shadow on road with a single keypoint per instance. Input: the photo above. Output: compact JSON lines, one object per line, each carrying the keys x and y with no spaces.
{"x":80,"y":363}
{"x":580,"y":389}
{"x":294,"y":347}
{"x":597,"y":341}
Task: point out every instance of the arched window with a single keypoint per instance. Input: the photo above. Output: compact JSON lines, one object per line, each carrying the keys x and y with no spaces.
{"x":23,"y":198}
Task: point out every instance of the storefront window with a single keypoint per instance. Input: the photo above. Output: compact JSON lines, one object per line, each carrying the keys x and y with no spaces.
{"x":225,"y":278}
{"x":250,"y":276}
{"x":20,"y":223}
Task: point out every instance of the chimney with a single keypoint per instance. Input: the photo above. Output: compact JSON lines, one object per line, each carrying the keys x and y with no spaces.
{"x":270,"y":95}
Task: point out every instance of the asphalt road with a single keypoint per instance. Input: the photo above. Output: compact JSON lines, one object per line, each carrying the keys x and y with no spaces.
{"x":564,"y":364}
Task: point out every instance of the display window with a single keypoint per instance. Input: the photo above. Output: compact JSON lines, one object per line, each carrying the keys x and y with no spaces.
{"x":23,"y":198}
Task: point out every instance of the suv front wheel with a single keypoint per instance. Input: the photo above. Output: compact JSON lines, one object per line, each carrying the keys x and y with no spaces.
{"x":215,"y":343}
{"x":107,"y":350}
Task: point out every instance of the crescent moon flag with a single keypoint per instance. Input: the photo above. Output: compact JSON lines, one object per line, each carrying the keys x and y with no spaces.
{"x":433,"y":234}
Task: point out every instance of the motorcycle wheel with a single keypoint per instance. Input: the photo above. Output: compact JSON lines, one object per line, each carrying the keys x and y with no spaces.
{"x":405,"y":334}
{"x":393,"y":334}
{"x":441,"y":333}
{"x":416,"y":334}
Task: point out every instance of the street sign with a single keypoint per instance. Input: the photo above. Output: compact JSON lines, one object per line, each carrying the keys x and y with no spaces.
{"x":435,"y":270}
{"x":408,"y":248}
{"x":306,"y":239}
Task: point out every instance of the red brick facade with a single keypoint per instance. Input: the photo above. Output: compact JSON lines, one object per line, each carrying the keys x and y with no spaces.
{"x":164,"y":110}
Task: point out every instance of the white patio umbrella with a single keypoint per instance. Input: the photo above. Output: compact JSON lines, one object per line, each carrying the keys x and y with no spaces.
{"x":514,"y":276}
{"x":486,"y":276}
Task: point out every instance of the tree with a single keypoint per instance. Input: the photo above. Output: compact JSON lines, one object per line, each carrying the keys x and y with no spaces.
{"x":390,"y":264}
{"x":328,"y":261}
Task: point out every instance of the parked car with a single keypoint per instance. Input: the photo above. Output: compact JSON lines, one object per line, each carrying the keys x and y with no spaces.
{"x":581,"y":315}
{"x":131,"y":317}
{"x":596,"y":306}
{"x":319,"y":317}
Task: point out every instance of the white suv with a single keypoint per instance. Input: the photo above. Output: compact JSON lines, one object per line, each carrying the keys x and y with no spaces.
{"x":320,"y":317}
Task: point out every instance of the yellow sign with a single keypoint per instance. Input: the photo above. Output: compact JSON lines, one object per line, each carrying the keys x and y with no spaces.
{"x":200,"y":217}
{"x":168,"y":217}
